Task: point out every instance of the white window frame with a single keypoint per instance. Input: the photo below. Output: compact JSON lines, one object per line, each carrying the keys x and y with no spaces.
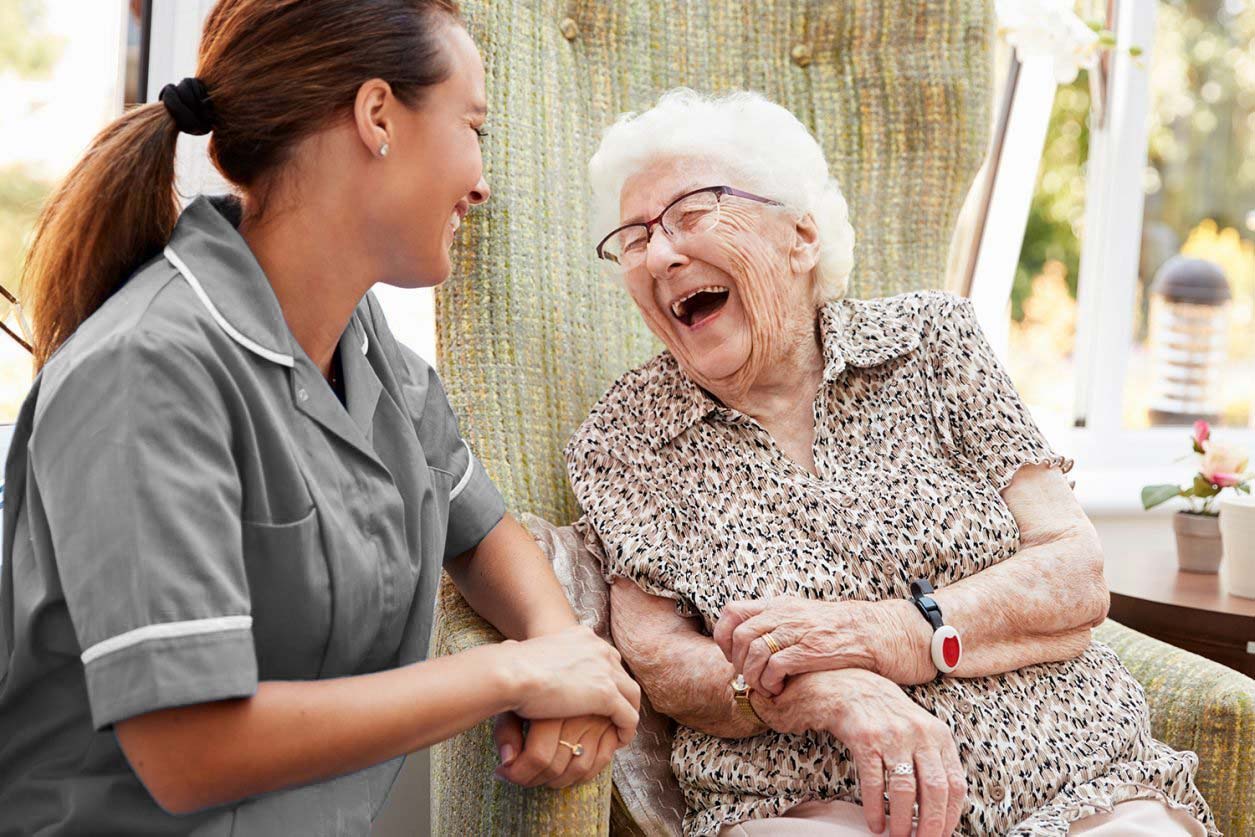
{"x":1113,"y":462}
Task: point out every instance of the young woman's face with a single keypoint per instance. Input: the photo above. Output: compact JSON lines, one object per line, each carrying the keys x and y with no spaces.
{"x":433,"y":173}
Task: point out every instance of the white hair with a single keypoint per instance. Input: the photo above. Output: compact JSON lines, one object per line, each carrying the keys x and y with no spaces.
{"x":763,"y":143}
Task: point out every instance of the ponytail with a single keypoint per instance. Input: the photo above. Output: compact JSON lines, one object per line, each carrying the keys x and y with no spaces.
{"x":115,"y":209}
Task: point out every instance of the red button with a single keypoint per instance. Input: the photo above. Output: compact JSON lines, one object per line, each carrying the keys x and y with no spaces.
{"x":950,"y":650}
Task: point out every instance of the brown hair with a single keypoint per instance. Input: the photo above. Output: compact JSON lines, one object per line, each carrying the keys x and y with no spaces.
{"x":276,"y":71}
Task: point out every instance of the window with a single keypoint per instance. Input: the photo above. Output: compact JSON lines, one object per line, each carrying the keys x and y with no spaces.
{"x":1165,"y":168}
{"x":1191,"y":358}
{"x":53,"y":100}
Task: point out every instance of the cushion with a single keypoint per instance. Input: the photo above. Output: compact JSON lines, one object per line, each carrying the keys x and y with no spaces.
{"x":642,"y":770}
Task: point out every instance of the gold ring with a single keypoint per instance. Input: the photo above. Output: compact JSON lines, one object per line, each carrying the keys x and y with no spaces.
{"x":771,"y":643}
{"x":577,"y":750}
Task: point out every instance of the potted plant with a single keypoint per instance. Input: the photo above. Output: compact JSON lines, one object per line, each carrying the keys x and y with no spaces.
{"x":1197,"y":528}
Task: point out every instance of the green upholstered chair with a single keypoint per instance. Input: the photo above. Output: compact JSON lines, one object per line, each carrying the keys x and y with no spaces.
{"x":530,"y":334}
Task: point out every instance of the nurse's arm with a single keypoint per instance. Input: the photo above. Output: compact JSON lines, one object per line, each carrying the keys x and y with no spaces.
{"x":508,"y":580}
{"x":292,"y":733}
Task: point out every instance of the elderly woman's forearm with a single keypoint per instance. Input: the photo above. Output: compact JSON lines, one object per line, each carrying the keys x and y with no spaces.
{"x":1037,"y":606}
{"x":683,"y":673}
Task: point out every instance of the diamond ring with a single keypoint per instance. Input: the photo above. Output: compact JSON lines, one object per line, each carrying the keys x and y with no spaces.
{"x":904,"y":769}
{"x":577,"y":750}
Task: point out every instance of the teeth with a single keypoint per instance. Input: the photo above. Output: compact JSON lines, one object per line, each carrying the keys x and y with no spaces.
{"x":455,"y":221}
{"x":677,"y":307}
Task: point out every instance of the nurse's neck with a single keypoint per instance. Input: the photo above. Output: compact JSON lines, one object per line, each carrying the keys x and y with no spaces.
{"x":311,"y":264}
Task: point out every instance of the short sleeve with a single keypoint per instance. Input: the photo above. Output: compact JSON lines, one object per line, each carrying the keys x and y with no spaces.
{"x":134,"y":476}
{"x":987,"y":425}
{"x":475,"y":504}
{"x":641,"y":536}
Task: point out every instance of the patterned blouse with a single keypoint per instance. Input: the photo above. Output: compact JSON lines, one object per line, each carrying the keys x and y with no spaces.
{"x":917,"y":429}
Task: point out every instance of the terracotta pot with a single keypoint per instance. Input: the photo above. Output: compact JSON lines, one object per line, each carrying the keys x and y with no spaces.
{"x":1198,"y":542}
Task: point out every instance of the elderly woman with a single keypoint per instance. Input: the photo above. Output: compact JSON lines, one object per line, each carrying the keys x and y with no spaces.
{"x":778,"y":492}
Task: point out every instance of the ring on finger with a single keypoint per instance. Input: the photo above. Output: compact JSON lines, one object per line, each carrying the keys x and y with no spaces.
{"x":771,"y":643}
{"x":576,"y":749}
{"x":904,"y":768}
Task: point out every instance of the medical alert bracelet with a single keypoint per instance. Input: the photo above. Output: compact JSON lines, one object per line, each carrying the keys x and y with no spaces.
{"x":947,"y":648}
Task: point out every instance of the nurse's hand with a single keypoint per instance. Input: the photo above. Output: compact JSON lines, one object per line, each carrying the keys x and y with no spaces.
{"x":573,"y":672}
{"x":539,"y":758}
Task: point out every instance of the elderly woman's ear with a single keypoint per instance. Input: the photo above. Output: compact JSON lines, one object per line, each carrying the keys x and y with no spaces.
{"x":804,"y":254}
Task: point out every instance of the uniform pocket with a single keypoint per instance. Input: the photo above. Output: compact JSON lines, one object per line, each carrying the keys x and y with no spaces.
{"x":290,"y":590}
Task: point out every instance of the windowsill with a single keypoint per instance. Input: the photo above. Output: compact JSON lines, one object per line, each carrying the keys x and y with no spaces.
{"x":1111,"y":492}
{"x":1112,"y":468}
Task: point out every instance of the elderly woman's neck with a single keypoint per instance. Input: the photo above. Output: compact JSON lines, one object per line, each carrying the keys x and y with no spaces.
{"x":782,"y":393}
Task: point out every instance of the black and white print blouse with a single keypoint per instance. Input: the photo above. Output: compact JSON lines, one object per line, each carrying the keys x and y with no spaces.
{"x":917,"y":430}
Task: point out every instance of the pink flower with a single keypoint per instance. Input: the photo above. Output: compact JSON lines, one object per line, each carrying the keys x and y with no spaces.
{"x":1202,"y":432}
{"x":1222,"y":461}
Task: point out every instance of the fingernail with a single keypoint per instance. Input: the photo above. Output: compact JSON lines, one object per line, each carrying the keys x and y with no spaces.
{"x":507,"y":754}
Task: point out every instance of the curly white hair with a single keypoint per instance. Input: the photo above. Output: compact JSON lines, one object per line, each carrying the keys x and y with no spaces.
{"x":763,"y":144}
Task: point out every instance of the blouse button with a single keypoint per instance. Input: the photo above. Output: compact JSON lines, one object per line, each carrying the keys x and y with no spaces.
{"x":801,"y":54}
{"x":846,"y":500}
{"x":997,"y":793}
{"x":570,"y":29}
{"x":964,"y":706}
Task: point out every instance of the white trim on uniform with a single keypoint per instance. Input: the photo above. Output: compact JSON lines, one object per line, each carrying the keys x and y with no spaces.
{"x":466,"y":478}
{"x":232,"y":331}
{"x":166,"y":630}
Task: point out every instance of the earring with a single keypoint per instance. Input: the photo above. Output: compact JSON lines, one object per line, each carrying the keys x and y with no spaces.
{"x":383,"y":150}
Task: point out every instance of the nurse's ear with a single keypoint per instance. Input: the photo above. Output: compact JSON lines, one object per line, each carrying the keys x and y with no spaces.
{"x":370,"y":114}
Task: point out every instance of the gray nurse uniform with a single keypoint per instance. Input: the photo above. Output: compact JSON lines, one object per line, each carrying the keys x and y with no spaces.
{"x":190,"y":509}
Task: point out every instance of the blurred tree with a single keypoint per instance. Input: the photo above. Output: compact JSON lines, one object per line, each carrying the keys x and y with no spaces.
{"x":1054,"y":218}
{"x":28,"y":51}
{"x":25,"y":47}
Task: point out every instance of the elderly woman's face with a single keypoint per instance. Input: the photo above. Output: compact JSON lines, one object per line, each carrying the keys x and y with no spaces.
{"x":723,"y":301}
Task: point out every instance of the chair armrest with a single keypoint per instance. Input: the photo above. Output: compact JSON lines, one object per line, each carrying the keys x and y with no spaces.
{"x":465,"y":796}
{"x":1200,"y":705}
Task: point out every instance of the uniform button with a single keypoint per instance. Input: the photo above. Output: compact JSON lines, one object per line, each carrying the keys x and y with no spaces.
{"x":801,"y":54}
{"x":302,"y":394}
{"x":570,"y":29}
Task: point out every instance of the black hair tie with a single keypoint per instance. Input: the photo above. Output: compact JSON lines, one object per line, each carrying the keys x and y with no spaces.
{"x":188,"y":102}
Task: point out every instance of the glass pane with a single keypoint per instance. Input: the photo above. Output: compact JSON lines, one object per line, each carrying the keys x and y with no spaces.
{"x":59,"y":62}
{"x":1042,"y":336}
{"x":1194,"y":330}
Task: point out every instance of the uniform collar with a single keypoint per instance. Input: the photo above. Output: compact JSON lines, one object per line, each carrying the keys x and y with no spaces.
{"x":213,"y":257}
{"x":860,"y":333}
{"x":209,"y":252}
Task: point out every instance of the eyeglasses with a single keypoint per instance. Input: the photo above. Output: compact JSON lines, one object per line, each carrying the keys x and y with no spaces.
{"x":11,"y":312}
{"x":693,"y":213}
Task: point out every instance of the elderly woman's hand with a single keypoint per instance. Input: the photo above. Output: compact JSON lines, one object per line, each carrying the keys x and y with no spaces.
{"x":817,"y":636}
{"x":881,"y":727}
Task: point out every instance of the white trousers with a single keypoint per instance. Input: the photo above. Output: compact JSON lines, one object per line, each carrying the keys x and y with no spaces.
{"x":1134,"y":818}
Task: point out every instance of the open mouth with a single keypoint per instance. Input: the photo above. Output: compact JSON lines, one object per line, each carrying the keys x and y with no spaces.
{"x":700,"y":305}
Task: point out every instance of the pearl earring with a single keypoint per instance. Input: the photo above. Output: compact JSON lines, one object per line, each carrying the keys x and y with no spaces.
{"x":383,"y":150}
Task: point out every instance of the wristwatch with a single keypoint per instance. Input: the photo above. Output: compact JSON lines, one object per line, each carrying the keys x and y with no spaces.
{"x":741,"y":694}
{"x":947,"y":648}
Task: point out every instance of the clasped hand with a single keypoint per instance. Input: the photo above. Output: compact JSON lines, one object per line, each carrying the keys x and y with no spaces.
{"x":811,"y":636}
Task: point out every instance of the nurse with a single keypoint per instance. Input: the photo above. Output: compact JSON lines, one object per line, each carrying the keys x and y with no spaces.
{"x":231,"y":492}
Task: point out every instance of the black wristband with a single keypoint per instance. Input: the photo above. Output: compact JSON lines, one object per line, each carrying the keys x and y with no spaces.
{"x":926,"y":604}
